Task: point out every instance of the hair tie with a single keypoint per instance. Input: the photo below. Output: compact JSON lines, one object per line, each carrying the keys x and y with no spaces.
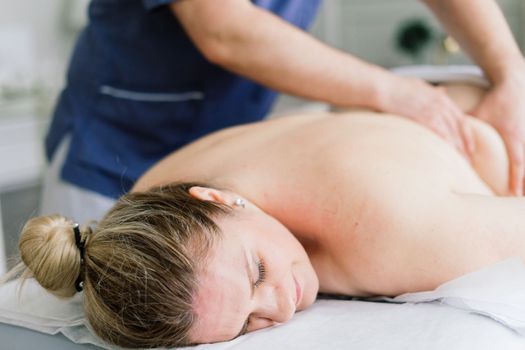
{"x":79,"y":284}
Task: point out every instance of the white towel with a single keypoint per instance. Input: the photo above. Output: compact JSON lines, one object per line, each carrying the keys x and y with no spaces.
{"x":34,"y":308}
{"x":497,"y":291}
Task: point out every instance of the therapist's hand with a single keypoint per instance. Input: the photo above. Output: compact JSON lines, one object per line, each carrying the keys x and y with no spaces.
{"x":504,"y":108}
{"x":431,"y":107}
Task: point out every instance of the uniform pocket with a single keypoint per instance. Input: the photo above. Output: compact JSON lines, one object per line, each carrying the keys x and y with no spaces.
{"x":151,"y":96}
{"x":158,"y":120}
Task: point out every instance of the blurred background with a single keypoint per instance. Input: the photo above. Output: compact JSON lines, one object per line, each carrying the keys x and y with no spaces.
{"x":36,"y":39}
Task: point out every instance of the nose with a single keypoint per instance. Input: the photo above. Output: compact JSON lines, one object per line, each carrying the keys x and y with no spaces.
{"x":257,"y":322}
{"x":274,"y":304}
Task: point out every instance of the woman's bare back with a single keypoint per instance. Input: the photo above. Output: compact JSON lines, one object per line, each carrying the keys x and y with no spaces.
{"x":374,"y":198}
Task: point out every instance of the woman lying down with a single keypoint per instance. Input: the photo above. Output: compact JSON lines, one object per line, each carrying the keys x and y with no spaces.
{"x":242,"y":228}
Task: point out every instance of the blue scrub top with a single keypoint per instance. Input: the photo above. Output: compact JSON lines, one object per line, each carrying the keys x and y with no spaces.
{"x":137,"y":89}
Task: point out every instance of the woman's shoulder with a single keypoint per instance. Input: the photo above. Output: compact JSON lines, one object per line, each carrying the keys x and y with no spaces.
{"x":211,"y":154}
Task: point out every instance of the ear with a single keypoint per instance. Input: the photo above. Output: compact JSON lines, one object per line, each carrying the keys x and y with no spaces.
{"x":210,"y":194}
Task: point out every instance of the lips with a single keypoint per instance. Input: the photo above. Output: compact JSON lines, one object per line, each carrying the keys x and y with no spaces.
{"x":298,"y":292}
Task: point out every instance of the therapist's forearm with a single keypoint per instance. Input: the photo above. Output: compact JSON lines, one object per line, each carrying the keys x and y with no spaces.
{"x":266,"y":49}
{"x":482,"y":31}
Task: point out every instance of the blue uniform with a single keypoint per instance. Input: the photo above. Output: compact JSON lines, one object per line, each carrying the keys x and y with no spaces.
{"x":137,"y":89}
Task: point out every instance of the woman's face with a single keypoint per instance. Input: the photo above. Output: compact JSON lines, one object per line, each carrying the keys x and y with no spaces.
{"x":258,"y":275}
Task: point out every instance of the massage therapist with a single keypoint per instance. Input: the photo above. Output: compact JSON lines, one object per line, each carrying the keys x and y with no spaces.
{"x":148,"y":76}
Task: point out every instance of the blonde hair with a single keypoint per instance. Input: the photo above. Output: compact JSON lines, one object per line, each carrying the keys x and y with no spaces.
{"x":140,"y":264}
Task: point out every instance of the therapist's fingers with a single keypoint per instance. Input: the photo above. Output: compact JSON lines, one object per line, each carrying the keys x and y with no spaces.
{"x":467,"y":133}
{"x":516,"y":152}
{"x":456,"y":130}
{"x":432,"y":107}
{"x":461,"y":128}
{"x":520,"y":189}
{"x":456,"y":127}
{"x":444,"y":128}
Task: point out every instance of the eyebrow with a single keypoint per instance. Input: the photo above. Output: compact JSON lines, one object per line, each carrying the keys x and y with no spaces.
{"x":250,"y":280}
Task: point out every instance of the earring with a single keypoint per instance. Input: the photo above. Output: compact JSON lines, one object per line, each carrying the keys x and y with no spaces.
{"x":240,"y":202}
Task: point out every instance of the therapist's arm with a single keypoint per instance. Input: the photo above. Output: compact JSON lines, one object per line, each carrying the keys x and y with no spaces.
{"x":482,"y":31}
{"x":254,"y":43}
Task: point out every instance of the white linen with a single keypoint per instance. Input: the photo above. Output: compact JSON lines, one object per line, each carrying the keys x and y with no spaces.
{"x":481,"y":292}
{"x":33,"y":307}
{"x":359,"y":325}
{"x":450,"y":317}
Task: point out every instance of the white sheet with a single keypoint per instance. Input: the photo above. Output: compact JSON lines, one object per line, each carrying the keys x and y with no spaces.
{"x":428,"y":321}
{"x":482,"y":293}
{"x":359,"y":325}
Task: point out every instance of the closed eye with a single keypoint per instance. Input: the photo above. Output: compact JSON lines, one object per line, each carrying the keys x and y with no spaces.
{"x":262,"y":273}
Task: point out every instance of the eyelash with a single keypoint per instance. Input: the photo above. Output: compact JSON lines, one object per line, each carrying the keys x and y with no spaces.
{"x":262,"y":273}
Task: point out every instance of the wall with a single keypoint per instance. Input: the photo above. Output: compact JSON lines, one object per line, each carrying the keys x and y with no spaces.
{"x":35,"y":43}
{"x":35,"y":27}
{"x":369,"y":29}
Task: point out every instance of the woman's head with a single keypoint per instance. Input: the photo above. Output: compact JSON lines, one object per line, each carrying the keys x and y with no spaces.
{"x":160,"y":263}
{"x":257,"y":274}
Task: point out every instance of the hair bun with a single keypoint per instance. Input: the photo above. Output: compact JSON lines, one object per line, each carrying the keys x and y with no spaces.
{"x":48,"y":249}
